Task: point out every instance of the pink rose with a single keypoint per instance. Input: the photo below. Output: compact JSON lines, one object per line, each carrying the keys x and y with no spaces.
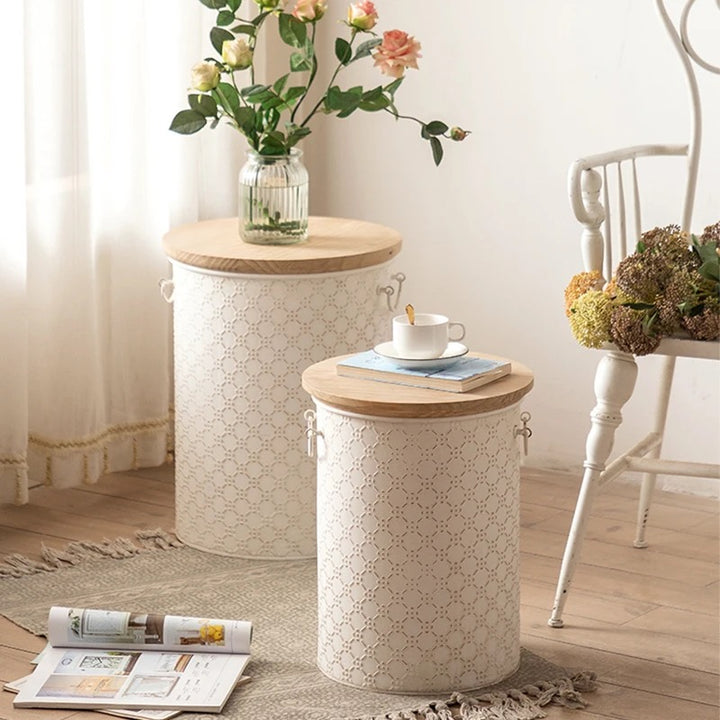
{"x":397,"y":51}
{"x":362,"y":15}
{"x":309,"y":10}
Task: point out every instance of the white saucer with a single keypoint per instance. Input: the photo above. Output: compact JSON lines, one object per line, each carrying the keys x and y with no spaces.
{"x":453,"y":352}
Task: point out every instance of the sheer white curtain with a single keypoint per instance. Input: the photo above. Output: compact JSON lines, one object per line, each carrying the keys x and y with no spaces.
{"x":92,"y":179}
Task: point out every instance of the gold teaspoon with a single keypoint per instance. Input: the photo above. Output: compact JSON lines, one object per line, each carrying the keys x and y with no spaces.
{"x":410,"y":310}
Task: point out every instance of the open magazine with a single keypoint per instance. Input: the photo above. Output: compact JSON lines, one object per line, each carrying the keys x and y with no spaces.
{"x":99,"y":659}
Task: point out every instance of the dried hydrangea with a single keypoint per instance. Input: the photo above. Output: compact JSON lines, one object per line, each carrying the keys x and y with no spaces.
{"x":711,"y":234}
{"x":670,"y":242}
{"x":628,"y":330}
{"x":670,"y":285}
{"x":579,"y":285}
{"x":660,"y":254}
{"x":613,"y":291}
{"x":705,"y":325}
{"x":590,"y":318}
{"x":672,"y":304}
{"x":641,"y":275}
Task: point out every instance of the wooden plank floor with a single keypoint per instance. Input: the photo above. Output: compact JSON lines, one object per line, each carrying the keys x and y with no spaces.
{"x":645,"y":620}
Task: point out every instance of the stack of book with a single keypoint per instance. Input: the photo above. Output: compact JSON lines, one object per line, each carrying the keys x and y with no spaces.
{"x":150,"y":667}
{"x":466,"y":373}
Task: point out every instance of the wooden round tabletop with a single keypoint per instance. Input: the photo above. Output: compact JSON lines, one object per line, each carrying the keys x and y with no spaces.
{"x":333,"y":244}
{"x":382,"y":399}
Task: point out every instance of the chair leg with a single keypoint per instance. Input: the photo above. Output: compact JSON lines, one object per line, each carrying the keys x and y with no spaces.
{"x":614,"y":383}
{"x":648,"y":479}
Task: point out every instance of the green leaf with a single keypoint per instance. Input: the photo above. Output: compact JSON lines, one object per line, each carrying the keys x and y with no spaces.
{"x":292,"y":31}
{"x":275,"y":136}
{"x":436,"y":128}
{"x":437,"y":150}
{"x":245,"y":118}
{"x":244,"y":29}
{"x":226,"y":96}
{"x":365,"y":48}
{"x":374,"y":104}
{"x":233,"y":4}
{"x":707,"y":252}
{"x":218,"y":36}
{"x":710,"y":270}
{"x":343,"y":50}
{"x":296,"y":133}
{"x":203,"y":104}
{"x":271,"y":118}
{"x":257,"y":20}
{"x":300,"y":62}
{"x":392,"y":87}
{"x":347,"y":101}
{"x":374,"y":100}
{"x":279,"y":84}
{"x":293,"y":93}
{"x":214,"y":4}
{"x":373,"y":94}
{"x":187,"y":122}
{"x":256,"y":93}
{"x":273,"y":143}
{"x":225,"y":17}
{"x":638,"y":305}
{"x":262,"y":95}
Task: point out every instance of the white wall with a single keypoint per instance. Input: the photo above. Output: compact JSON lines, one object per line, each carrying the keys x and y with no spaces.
{"x":489,"y":237}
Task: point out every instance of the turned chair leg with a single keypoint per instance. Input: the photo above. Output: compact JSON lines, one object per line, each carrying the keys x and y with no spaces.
{"x":648,"y":479}
{"x":614,"y":383}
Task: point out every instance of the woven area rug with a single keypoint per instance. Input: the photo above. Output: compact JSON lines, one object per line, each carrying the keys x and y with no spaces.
{"x":157,"y":574}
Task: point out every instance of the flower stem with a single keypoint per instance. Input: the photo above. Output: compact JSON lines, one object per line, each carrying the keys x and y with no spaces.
{"x":313,"y":73}
{"x":339,"y":67}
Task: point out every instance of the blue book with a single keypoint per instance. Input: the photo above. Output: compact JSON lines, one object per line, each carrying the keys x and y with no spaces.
{"x":466,"y":373}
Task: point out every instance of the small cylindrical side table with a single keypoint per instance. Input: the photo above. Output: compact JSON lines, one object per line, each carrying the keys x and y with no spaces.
{"x":247,"y":320}
{"x":418,"y":532}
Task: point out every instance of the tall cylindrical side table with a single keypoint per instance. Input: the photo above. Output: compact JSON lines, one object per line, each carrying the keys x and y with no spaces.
{"x":247,"y":320}
{"x":418,"y":532}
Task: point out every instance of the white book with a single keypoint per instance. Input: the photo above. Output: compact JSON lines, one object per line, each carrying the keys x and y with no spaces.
{"x":466,"y":373}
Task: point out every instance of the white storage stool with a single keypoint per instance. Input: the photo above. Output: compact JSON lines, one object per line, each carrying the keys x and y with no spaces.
{"x":418,"y":532}
{"x":247,"y":320}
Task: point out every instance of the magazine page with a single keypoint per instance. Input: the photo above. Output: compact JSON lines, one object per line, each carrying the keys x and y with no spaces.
{"x":130,"y":679}
{"x":144,"y":714}
{"x":80,"y":627}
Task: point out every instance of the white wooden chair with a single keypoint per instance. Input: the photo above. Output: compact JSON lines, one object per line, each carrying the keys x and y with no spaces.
{"x":617,"y":371}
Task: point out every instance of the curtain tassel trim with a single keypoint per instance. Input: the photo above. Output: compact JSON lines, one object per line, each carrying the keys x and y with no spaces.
{"x":76,"y":552}
{"x":525,"y":703}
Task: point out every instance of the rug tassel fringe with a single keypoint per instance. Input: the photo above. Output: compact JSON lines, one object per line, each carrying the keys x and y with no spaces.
{"x":522,"y":704}
{"x":76,"y":552}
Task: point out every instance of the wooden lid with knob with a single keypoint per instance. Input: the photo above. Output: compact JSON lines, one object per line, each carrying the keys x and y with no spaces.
{"x":333,"y":244}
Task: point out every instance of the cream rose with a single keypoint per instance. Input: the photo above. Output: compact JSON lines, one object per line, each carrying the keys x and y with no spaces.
{"x":309,"y":10}
{"x":362,"y":15}
{"x":205,"y":76}
{"x":237,"y":54}
{"x":397,"y":51}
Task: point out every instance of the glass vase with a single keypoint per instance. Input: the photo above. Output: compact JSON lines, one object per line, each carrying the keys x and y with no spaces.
{"x":273,"y":199}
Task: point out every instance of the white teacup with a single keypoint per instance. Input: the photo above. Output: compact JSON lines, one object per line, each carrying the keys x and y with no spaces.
{"x":427,"y":338}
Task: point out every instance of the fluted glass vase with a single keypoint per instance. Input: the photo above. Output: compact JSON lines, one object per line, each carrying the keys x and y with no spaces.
{"x":273,"y":199}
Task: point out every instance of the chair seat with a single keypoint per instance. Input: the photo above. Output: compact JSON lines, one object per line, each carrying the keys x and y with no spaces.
{"x":682,"y":347}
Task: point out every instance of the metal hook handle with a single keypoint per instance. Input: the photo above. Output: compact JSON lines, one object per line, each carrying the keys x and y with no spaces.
{"x":311,"y":432}
{"x":389,"y":290}
{"x":167,"y":289}
{"x":525,"y":430}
